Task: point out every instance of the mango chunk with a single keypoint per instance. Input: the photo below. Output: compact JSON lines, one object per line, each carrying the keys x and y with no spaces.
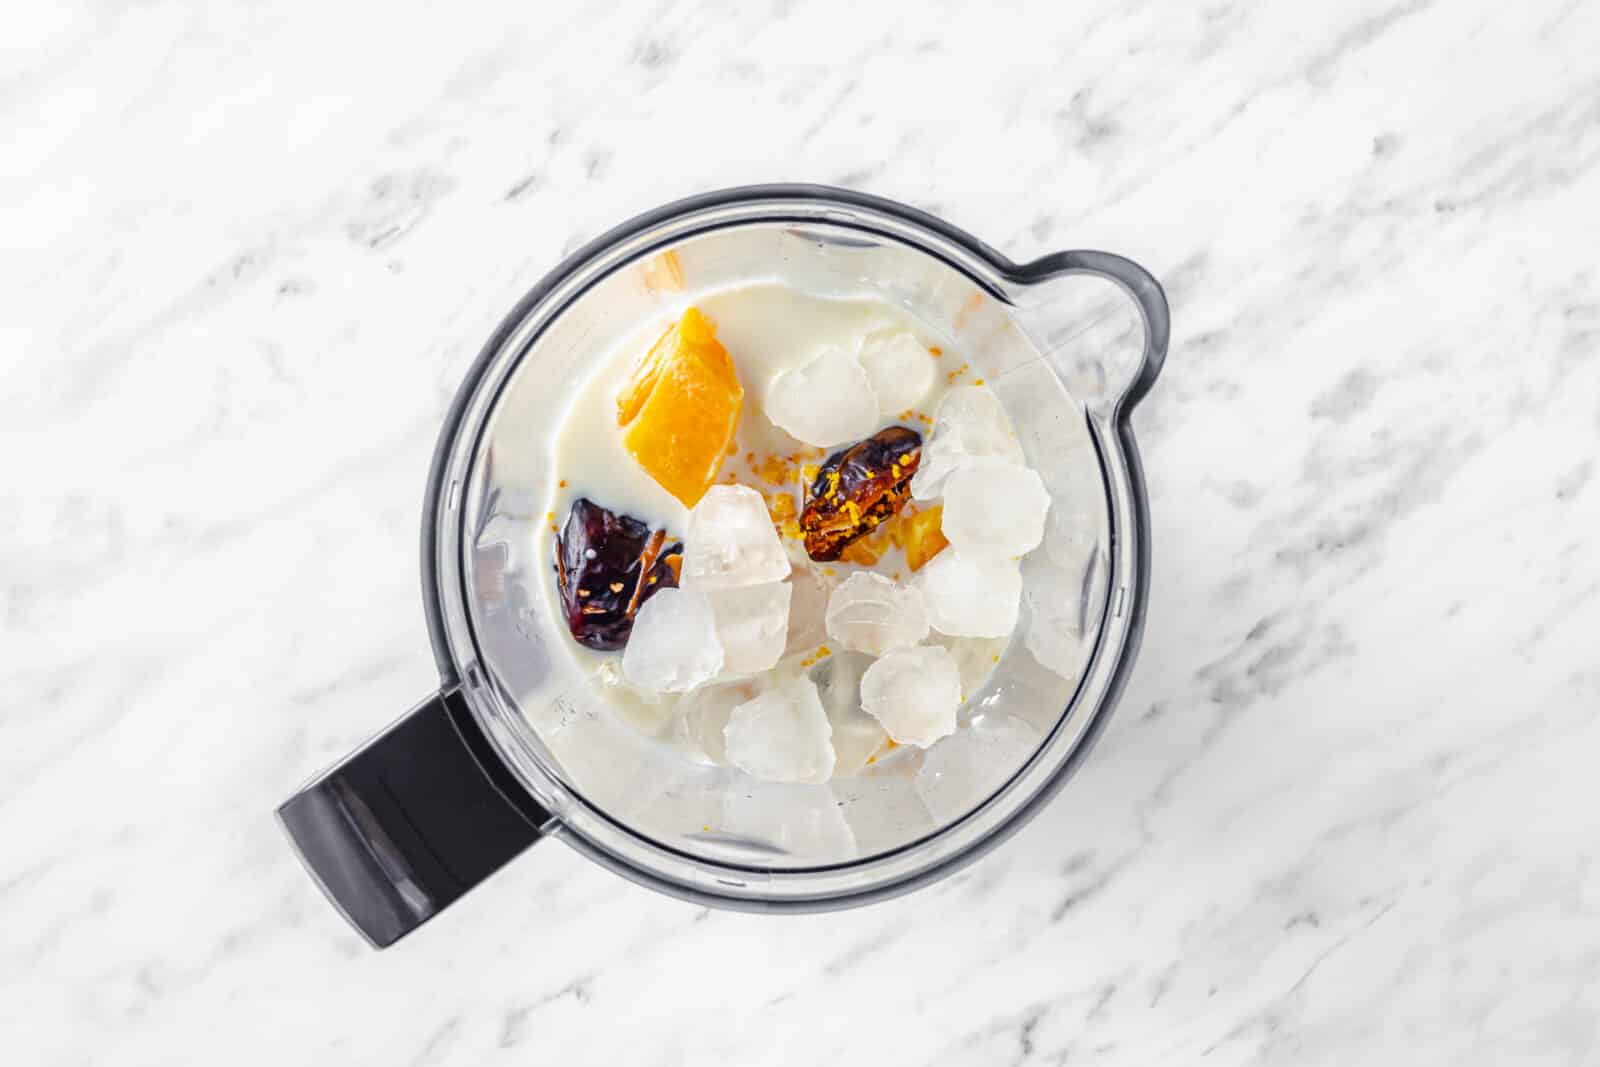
{"x":680,"y":408}
{"x":866,"y":550}
{"x":919,"y":535}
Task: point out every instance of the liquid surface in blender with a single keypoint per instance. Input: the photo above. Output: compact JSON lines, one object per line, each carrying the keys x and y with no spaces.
{"x":785,"y":531}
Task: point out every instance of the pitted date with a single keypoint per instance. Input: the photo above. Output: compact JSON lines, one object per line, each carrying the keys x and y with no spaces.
{"x":858,"y":489}
{"x":606,"y":566}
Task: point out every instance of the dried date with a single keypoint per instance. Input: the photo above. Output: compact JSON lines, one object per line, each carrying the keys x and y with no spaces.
{"x":606,"y":566}
{"x":858,"y":489}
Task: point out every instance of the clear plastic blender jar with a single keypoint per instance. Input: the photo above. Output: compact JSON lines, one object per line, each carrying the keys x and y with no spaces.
{"x":518,"y":745}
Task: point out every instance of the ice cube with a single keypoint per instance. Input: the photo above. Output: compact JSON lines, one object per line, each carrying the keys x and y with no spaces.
{"x":971,"y":596}
{"x":995,"y":512}
{"x":731,"y":542}
{"x":869,"y":613}
{"x":703,"y":716}
{"x":976,"y":657}
{"x":619,"y":767}
{"x":970,"y":429}
{"x":826,"y":402}
{"x":674,"y":643}
{"x":802,"y":821}
{"x":838,"y":681}
{"x":643,"y":709}
{"x":1060,"y":614}
{"x":966,"y":770}
{"x":752,"y":624}
{"x":808,"y":607}
{"x":900,"y":369}
{"x":857,"y":736}
{"x":914,"y":694}
{"x":782,"y":735}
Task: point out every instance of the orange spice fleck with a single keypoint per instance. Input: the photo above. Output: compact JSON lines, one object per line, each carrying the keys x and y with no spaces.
{"x":781,"y":507}
{"x":888,"y":746}
{"x":977,"y":381}
{"x":809,"y":473}
{"x":774,"y":470}
{"x":968,"y":309}
{"x":997,"y":659}
{"x":829,"y":571}
{"x":935,"y":351}
{"x":562,"y":484}
{"x":549,"y":516}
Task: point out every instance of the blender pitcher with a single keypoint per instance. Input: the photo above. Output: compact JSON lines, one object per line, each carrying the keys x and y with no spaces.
{"x":519,"y":745}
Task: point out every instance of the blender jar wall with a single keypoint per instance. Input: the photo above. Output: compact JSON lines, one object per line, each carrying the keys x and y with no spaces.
{"x":630,"y":802}
{"x":466,"y":780}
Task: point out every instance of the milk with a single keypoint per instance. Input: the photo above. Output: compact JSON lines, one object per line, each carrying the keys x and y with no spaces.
{"x":767,"y":328}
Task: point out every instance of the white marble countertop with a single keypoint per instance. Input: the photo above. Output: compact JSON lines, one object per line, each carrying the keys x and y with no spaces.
{"x":1348,"y":811}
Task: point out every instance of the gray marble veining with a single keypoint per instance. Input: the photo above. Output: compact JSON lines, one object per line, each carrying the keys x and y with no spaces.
{"x":1347,"y":812}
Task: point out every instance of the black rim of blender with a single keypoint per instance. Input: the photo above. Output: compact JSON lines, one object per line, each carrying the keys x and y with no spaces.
{"x":1034,"y":271}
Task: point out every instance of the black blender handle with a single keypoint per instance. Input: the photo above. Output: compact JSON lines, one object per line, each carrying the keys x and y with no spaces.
{"x":404,"y":826}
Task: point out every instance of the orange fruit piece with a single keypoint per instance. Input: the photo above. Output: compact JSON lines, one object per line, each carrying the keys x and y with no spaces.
{"x":680,"y":408}
{"x":920,"y":536}
{"x":867,"y":549}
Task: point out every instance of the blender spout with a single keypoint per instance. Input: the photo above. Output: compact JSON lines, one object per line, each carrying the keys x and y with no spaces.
{"x":1101,"y":320}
